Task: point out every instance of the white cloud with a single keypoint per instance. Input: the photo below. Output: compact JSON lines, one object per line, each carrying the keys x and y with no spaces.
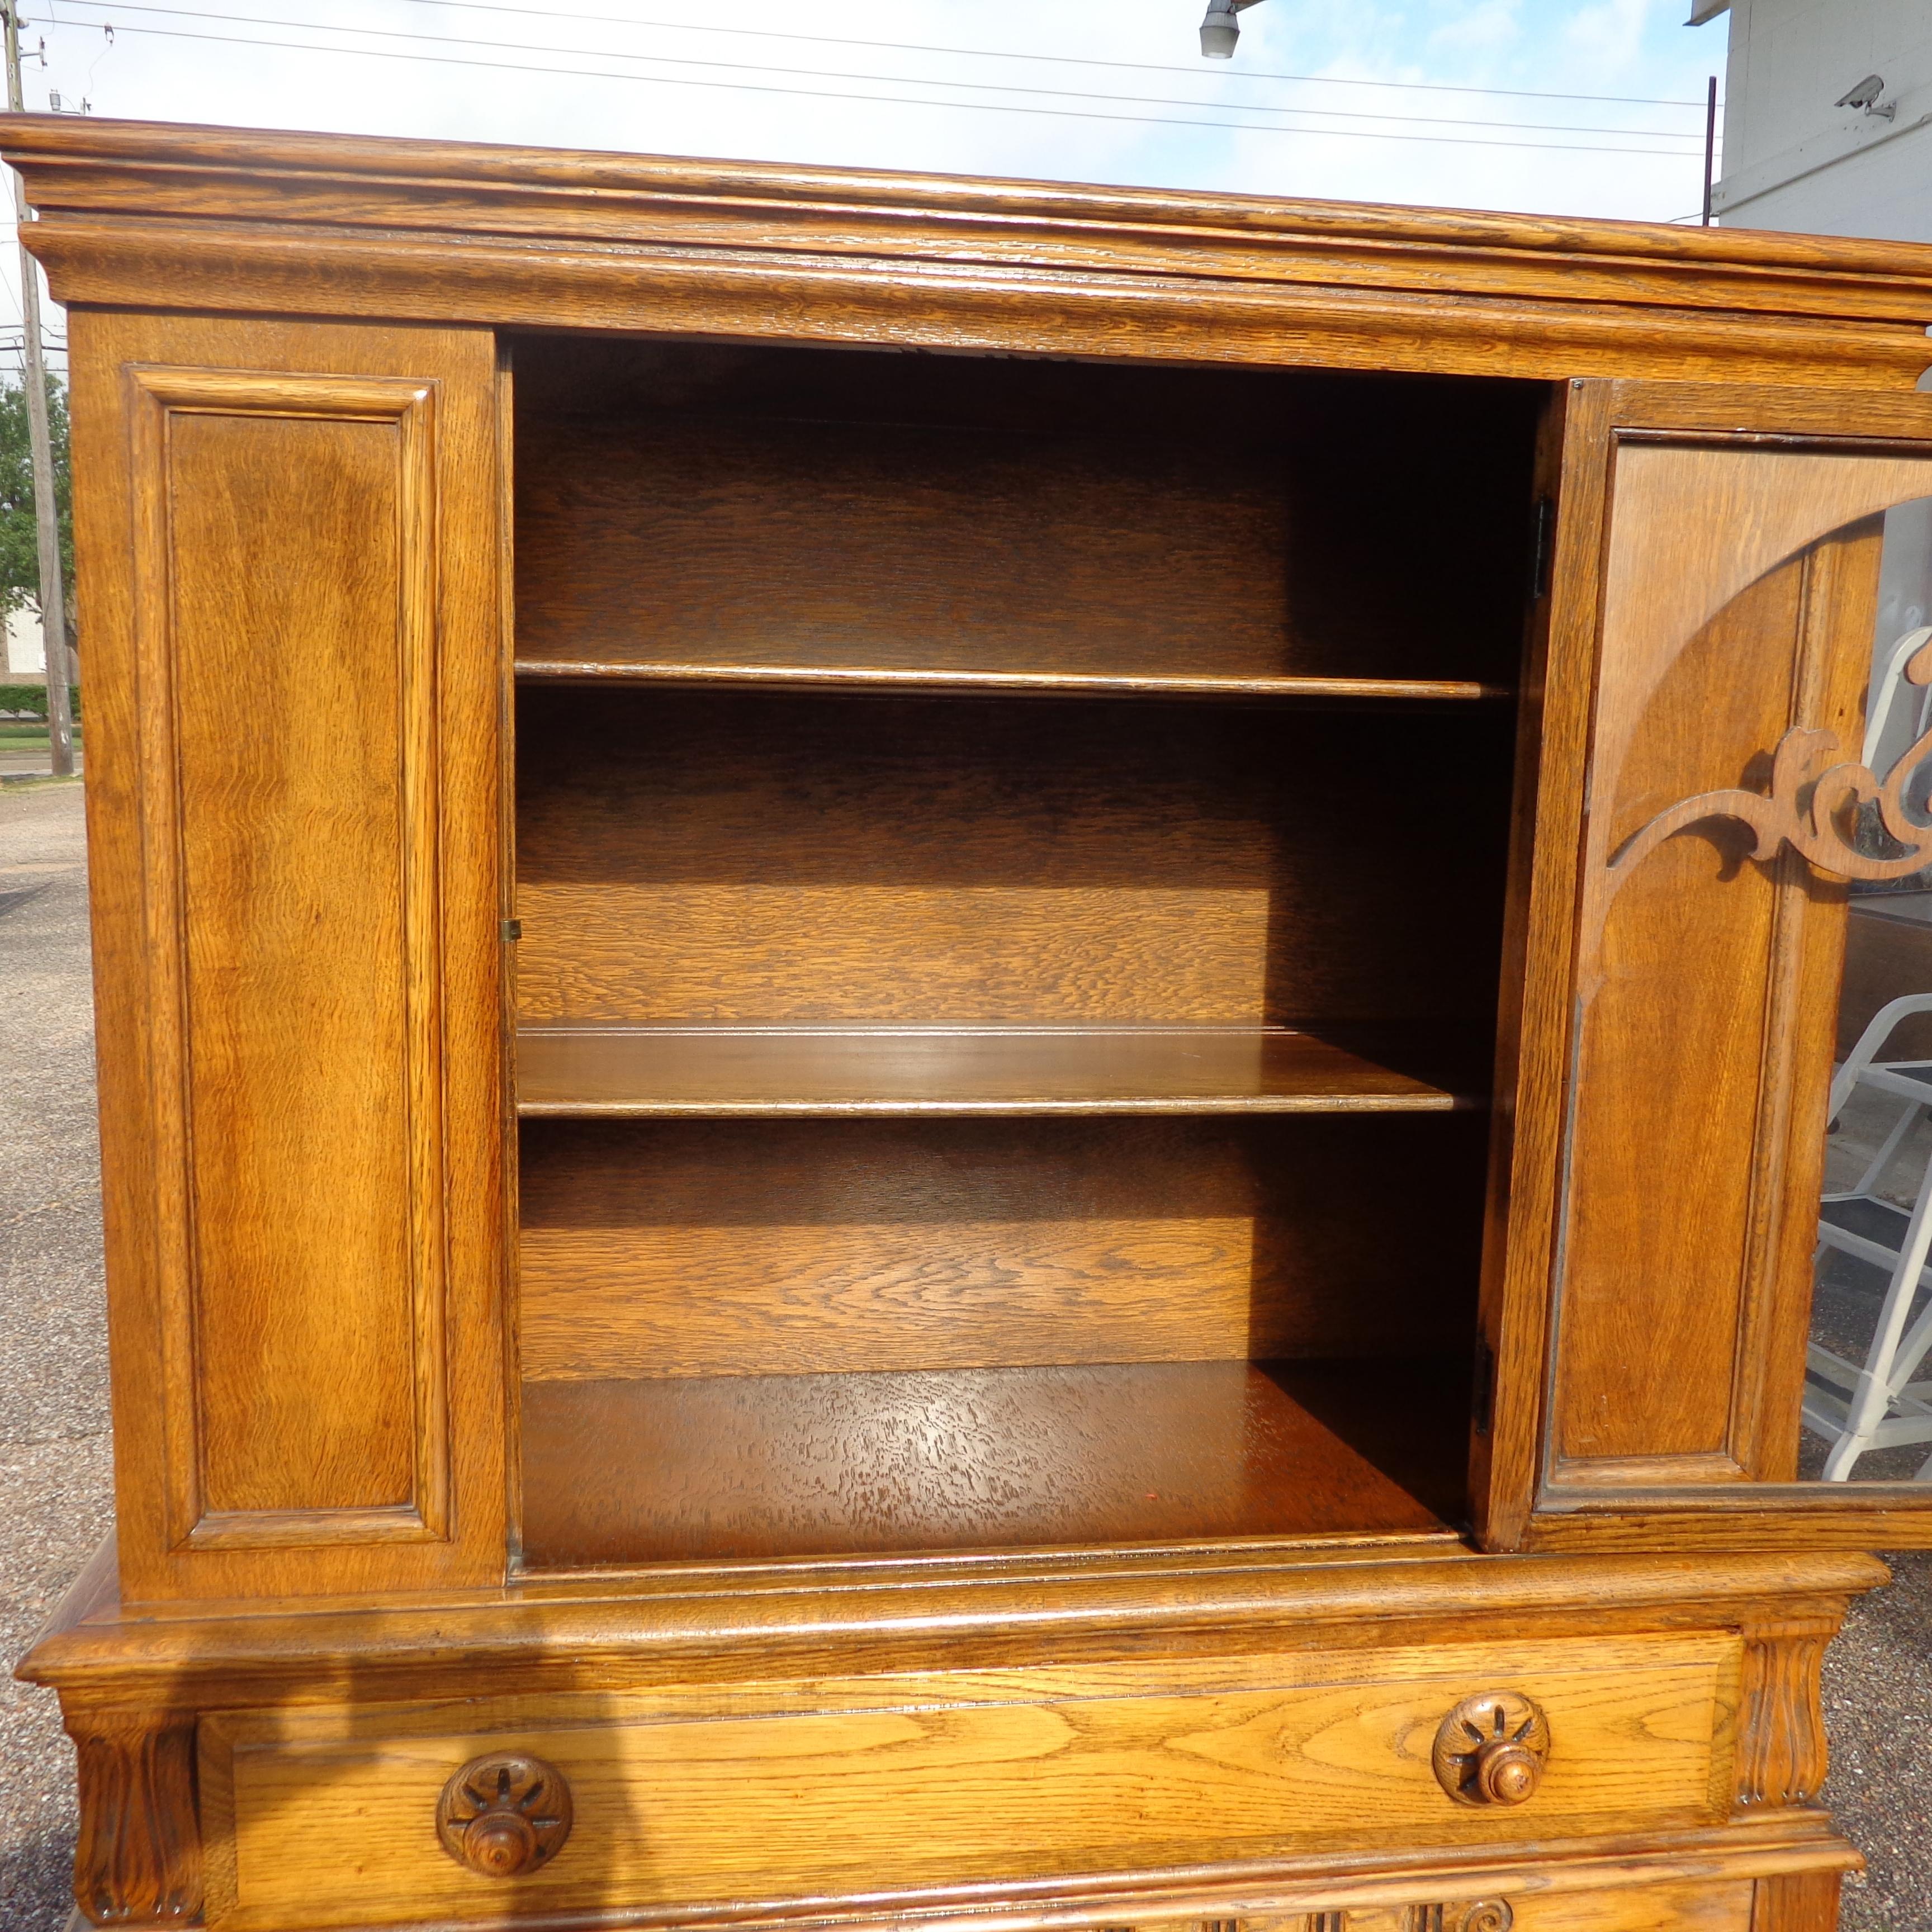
{"x":1491,"y":25}
{"x":1609,"y":37}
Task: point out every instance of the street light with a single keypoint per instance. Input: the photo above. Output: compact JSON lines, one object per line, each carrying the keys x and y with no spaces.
{"x":1220,"y":30}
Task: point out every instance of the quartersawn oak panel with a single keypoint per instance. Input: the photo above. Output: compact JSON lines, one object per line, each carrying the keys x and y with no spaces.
{"x":709,"y":504}
{"x":780,"y":1248}
{"x":726,"y":857}
{"x":293,"y":837}
{"x":296,"y":916}
{"x":1710,"y":982}
{"x":908,"y":1783}
{"x":626,"y":1472}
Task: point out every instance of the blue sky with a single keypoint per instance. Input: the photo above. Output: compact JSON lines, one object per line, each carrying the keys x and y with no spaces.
{"x":1640,"y":48}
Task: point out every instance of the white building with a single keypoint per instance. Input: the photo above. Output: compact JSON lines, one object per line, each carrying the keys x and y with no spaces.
{"x":1800,"y":155}
{"x":1794,"y":158}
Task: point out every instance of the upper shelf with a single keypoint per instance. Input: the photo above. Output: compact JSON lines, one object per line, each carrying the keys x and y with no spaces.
{"x":655,"y":1071}
{"x":815,"y":677}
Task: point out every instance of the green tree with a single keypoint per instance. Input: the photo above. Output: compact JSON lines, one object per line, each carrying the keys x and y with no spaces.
{"x":20,"y":556}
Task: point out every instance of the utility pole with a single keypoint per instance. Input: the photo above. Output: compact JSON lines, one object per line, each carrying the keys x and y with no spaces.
{"x":1710,"y":143}
{"x":46,"y":509}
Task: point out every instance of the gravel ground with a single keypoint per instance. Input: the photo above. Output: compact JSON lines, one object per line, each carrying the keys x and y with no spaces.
{"x":56,"y":1469}
{"x":55,"y":1461}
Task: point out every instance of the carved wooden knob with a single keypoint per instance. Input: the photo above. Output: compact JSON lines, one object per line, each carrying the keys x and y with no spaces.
{"x":1507,"y":1773}
{"x":504,"y":1815}
{"x":1490,"y":1750}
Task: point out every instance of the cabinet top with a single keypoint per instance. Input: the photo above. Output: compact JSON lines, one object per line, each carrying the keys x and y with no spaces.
{"x":161,"y":214}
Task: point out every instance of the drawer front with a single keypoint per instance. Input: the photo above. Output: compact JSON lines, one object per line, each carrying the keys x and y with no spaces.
{"x":1722,"y":1907}
{"x":783,"y":1792}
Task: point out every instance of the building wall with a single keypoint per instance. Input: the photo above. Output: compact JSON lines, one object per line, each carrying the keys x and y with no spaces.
{"x":1794,"y":161}
{"x":22,"y":647}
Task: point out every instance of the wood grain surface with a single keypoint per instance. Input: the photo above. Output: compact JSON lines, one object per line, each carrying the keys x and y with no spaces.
{"x":133,"y":213}
{"x":297,"y":854}
{"x":722,"y":673}
{"x":987,"y":1512}
{"x":589,"y":1635}
{"x":765,"y":1466}
{"x":778,"y":1248}
{"x":1724,"y":1906}
{"x":297,"y":963}
{"x":785,"y":508}
{"x":1802,"y":1902}
{"x":730,"y":856}
{"x":595,"y":1069}
{"x":1713,"y":989}
{"x":1058,"y":1779}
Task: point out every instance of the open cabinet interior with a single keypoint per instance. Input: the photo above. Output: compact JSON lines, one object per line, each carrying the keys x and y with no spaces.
{"x":1010,"y":862}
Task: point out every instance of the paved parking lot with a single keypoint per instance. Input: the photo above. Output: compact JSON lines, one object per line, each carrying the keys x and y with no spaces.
{"x":55,"y":1466}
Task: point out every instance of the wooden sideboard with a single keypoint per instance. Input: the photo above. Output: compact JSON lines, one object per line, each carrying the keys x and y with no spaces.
{"x":963,"y":1045}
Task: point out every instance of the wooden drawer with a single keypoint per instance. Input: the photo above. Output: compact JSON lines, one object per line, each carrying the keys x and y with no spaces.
{"x":1725,"y":1906}
{"x":687,"y":1795}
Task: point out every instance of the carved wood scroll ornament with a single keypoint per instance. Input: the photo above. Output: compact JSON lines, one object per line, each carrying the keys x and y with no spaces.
{"x":1814,"y":805}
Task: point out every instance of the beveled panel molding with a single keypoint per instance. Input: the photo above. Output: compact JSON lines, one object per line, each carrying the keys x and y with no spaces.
{"x":309,"y":1195}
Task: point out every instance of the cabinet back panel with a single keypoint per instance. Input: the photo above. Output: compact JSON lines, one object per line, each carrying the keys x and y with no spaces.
{"x":740,"y":857}
{"x":702,"y":504}
{"x":794,"y":1248}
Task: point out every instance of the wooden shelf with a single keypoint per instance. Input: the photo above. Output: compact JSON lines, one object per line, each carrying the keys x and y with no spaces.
{"x":758,"y":1466}
{"x":1062,"y":684}
{"x":659,"y":1072}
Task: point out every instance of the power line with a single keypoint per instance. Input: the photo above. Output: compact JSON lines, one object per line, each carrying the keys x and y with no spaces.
{"x":914,"y":80}
{"x":1059,"y":60}
{"x":890,"y":99}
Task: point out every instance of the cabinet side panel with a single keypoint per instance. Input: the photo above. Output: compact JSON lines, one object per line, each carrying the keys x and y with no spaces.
{"x":288,"y":578}
{"x":287,"y":651}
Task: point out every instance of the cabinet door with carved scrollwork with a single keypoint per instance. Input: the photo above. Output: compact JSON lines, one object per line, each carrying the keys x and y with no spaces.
{"x":1711,"y":1293}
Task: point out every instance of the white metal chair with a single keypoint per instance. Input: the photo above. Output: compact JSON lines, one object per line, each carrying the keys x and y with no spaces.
{"x":1879,"y":1405}
{"x":1890,"y":693}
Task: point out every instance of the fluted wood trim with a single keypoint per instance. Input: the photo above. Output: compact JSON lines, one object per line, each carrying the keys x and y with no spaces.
{"x":1782,"y":1751}
{"x":138,"y":1862}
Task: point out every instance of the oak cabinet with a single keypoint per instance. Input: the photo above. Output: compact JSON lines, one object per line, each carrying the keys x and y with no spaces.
{"x":969,"y":1048}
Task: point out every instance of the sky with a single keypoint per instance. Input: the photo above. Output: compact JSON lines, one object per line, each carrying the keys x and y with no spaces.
{"x":1443,"y":103}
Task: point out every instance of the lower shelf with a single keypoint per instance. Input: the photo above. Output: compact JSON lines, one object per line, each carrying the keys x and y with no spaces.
{"x":675,"y":1468}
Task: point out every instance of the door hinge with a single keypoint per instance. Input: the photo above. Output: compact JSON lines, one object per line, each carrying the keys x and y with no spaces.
{"x":1542,"y":547}
{"x":1483,"y":1387}
{"x":513,"y":929}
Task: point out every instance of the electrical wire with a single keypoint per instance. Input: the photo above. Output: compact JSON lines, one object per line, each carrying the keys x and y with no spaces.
{"x":1068,"y":93}
{"x":818,"y":73}
{"x":888,"y":100}
{"x":895,"y":80}
{"x":1062,"y":60}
